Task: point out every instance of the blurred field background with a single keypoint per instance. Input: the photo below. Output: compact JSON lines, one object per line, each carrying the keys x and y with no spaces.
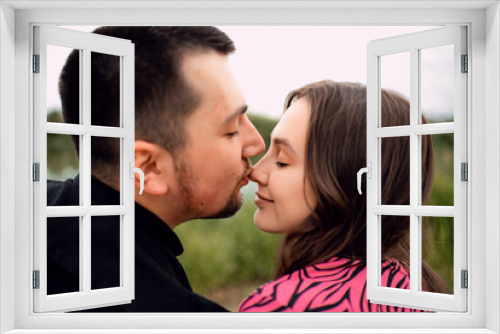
{"x":227,"y":259}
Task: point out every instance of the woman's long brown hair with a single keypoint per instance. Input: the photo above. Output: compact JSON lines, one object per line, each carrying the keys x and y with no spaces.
{"x":335,"y":151}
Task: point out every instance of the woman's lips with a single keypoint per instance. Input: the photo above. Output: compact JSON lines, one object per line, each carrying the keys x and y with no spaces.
{"x":261,"y":200}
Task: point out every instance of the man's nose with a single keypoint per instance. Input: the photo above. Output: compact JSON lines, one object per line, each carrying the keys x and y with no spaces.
{"x":253,"y":142}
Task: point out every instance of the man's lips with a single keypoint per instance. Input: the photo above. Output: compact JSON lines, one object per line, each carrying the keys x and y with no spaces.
{"x":244,"y":181}
{"x":249,"y":171}
{"x":246,"y":176}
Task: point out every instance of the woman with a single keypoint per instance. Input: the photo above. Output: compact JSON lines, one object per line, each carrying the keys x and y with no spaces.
{"x":307,"y":191}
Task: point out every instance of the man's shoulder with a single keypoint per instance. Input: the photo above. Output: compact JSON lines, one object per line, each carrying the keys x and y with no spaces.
{"x":55,"y":185}
{"x":62,"y":192}
{"x":161,"y":284}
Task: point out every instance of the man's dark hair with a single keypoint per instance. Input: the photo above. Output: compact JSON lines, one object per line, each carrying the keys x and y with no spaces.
{"x":163,"y":98}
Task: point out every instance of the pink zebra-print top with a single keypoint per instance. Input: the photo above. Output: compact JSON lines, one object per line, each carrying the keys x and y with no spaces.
{"x":337,"y":285}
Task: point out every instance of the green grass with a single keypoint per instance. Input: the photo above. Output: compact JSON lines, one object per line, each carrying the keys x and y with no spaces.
{"x":227,"y":252}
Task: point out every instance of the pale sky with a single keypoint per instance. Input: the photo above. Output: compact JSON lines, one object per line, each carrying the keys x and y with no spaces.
{"x":270,"y":61}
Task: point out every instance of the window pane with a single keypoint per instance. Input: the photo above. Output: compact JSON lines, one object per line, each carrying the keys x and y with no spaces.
{"x":63,"y":255}
{"x":441,"y":191}
{"x":395,"y":76}
{"x":395,"y":171}
{"x":437,"y":83}
{"x":62,"y":166}
{"x":56,"y":59}
{"x":437,"y":252}
{"x":105,"y":258}
{"x":395,"y":252}
{"x":105,"y":90}
{"x":105,"y":167}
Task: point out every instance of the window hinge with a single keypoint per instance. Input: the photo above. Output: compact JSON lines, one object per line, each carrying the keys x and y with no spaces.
{"x":464,"y":171}
{"x":36,"y":279}
{"x":36,"y":63}
{"x":465,"y":64}
{"x":465,"y":279}
{"x":36,"y":172}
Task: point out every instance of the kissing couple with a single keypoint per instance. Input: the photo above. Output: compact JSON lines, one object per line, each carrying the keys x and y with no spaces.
{"x":193,"y":141}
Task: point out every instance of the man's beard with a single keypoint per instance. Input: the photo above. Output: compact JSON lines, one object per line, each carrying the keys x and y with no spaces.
{"x":232,"y":206}
{"x":188,"y":190}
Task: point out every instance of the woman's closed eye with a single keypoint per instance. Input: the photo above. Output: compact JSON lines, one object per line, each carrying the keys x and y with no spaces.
{"x":281,"y":164}
{"x":282,"y":160}
{"x":232,"y":134}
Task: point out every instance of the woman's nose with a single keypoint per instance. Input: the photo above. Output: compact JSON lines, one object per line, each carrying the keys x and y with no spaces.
{"x":252,"y":176}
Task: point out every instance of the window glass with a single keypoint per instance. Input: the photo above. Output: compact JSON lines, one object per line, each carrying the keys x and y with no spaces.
{"x":437,"y":81}
{"x":395,"y":76}
{"x":62,"y":166}
{"x":437,"y":252}
{"x":56,"y":58}
{"x":106,"y":155}
{"x":395,"y":175}
{"x":441,"y":192}
{"x":63,"y":248}
{"x":105,"y":263}
{"x":105,"y":108}
{"x":396,"y":274}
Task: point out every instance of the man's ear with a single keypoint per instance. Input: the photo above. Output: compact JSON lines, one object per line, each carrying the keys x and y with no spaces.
{"x":157,"y":165}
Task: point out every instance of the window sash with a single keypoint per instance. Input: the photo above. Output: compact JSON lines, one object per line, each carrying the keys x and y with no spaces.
{"x":414,"y":298}
{"x":85,"y":298}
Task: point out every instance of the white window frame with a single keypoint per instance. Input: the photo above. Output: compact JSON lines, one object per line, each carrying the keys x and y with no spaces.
{"x":412,"y":44}
{"x":86,"y":43}
{"x":483,"y":21}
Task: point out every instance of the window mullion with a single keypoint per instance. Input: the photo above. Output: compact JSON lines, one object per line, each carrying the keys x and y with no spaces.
{"x":80,"y":151}
{"x":85,"y":249}
{"x":414,"y":169}
{"x":372,"y":184}
{"x":127,"y":121}
{"x":85,"y":246}
{"x":123,"y":177}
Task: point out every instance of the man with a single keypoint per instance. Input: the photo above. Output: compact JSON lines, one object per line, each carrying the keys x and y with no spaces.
{"x":193,"y":142}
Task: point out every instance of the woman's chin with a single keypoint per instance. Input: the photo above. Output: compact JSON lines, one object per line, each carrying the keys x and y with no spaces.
{"x":257,"y":219}
{"x":263,"y":224}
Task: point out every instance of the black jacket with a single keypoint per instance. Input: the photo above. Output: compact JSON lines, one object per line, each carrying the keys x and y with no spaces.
{"x":161,"y":284}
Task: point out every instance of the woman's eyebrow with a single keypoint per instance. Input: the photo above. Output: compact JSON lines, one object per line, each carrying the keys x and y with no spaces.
{"x":284,"y":142}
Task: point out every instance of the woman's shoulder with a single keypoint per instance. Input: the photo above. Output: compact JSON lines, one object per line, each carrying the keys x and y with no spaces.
{"x":295,"y":292}
{"x":394,"y":275}
{"x":325,"y":286}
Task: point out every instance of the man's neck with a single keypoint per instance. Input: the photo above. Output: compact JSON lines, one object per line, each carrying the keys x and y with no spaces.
{"x":160,"y":206}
